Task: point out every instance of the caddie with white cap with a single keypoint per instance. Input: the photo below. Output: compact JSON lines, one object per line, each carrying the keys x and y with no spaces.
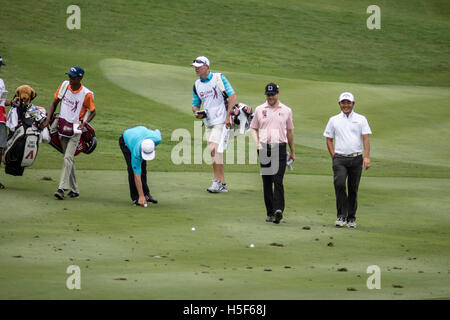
{"x":217,"y":104}
{"x":350,"y":131}
{"x":138,"y":146}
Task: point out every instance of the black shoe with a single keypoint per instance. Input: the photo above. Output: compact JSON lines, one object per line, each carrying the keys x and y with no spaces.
{"x":270,"y":218}
{"x":278,"y":216}
{"x":2,"y":186}
{"x":72,"y":194}
{"x":149,"y":198}
{"x":59,"y":194}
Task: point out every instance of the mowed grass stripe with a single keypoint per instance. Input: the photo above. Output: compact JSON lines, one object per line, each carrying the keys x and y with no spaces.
{"x":167,"y":260}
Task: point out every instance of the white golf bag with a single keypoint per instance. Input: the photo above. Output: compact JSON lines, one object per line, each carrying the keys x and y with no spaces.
{"x":242,"y":116}
{"x":23,"y":141}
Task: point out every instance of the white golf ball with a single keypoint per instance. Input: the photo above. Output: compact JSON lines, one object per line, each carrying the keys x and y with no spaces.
{"x":145,"y":205}
{"x":193,"y":229}
{"x":252,"y":245}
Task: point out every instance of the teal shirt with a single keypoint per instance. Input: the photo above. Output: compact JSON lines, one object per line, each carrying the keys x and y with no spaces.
{"x":133,"y":138}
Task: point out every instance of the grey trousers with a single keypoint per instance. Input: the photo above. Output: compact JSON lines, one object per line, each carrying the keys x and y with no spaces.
{"x":67,"y":180}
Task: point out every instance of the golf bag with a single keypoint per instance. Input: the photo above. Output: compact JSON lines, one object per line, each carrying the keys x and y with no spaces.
{"x":242,"y":116}
{"x":23,"y":141}
{"x":87,"y":143}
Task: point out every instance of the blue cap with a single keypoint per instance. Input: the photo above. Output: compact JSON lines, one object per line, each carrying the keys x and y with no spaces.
{"x":76,"y":71}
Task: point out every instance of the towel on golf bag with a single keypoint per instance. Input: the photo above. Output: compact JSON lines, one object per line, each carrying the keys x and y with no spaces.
{"x":224,"y":139}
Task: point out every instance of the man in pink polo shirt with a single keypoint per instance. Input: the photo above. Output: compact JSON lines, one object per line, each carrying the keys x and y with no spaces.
{"x":272,"y":128}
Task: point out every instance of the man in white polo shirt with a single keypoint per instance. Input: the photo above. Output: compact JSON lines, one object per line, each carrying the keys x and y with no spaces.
{"x":216,"y":113}
{"x":351,"y":133}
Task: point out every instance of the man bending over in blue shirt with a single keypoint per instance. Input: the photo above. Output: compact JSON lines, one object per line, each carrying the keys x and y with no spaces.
{"x":138,"y":145}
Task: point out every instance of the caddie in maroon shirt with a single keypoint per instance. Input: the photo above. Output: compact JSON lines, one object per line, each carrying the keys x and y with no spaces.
{"x":272,"y":128}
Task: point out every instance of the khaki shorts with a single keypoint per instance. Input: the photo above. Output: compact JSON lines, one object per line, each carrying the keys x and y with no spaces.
{"x":214,"y":133}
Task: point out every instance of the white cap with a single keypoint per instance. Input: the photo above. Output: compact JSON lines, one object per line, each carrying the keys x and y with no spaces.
{"x":346,"y":96}
{"x":200,"y":61}
{"x":148,"y":149}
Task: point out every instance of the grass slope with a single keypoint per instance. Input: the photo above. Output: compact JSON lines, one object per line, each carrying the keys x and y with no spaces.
{"x":320,"y":40}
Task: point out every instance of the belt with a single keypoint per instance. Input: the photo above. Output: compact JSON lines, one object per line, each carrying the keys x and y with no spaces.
{"x":351,"y":155}
{"x":273,"y":145}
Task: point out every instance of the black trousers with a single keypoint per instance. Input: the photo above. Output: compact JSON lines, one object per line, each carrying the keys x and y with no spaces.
{"x":273,"y":167}
{"x":133,"y":190}
{"x":348,"y":170}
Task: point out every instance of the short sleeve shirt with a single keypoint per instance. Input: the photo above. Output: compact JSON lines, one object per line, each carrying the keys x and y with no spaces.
{"x":347,"y":132}
{"x":87,"y":97}
{"x":2,"y":103}
{"x":208,"y":93}
{"x":272,"y":122}
{"x":133,"y":138}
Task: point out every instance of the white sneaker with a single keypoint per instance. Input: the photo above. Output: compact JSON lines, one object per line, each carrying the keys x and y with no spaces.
{"x":215,"y":187}
{"x":340,"y":222}
{"x":351,"y":224}
{"x":223,"y":187}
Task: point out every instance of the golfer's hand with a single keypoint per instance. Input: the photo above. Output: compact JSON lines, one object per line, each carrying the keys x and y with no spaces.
{"x":81,"y":126}
{"x":366,"y":163}
{"x":142,"y":201}
{"x":259,"y":146}
{"x":292,"y":156}
{"x":229,"y":121}
{"x":198,"y":116}
{"x":45,"y":123}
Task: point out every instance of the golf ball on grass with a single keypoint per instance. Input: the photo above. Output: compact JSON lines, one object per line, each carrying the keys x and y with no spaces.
{"x":252,"y":245}
{"x":193,"y":229}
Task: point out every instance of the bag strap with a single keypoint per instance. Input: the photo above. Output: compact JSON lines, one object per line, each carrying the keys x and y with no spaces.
{"x":220,"y":84}
{"x":63,"y":89}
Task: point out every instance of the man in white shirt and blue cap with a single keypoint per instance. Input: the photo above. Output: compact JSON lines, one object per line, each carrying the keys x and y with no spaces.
{"x":350,"y":131}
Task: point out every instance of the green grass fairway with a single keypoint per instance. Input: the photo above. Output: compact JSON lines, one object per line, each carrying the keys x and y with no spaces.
{"x":137,"y":57}
{"x":313,"y":102}
{"x":403,"y":228}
